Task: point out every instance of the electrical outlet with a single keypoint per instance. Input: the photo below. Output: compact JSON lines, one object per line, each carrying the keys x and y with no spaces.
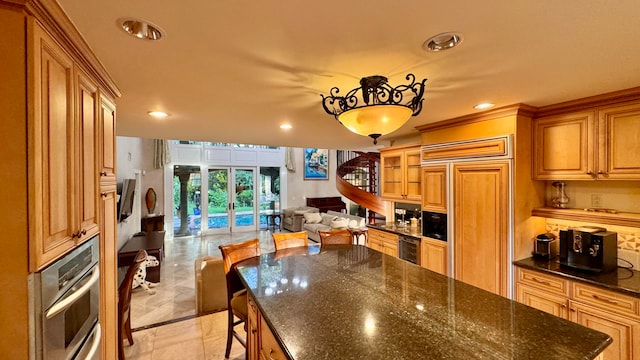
{"x":596,"y":200}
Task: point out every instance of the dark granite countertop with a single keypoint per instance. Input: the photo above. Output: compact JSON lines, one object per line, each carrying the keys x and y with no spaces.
{"x":393,"y":228}
{"x":352,"y":302}
{"x":623,"y":280}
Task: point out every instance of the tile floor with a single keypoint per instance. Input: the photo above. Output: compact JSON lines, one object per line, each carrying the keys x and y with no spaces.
{"x":202,"y":337}
{"x":175,"y":294}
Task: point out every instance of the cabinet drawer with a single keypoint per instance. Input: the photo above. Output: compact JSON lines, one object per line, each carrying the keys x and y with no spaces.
{"x":604,"y":299}
{"x":269,"y":347}
{"x":544,"y":282}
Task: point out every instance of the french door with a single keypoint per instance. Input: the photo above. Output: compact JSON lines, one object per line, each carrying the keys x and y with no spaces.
{"x":230,"y":202}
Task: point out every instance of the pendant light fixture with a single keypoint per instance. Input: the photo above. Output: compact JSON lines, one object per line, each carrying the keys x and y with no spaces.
{"x":376,"y":108}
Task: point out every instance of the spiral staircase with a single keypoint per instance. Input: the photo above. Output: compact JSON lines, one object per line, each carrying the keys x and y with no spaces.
{"x":357,"y":179}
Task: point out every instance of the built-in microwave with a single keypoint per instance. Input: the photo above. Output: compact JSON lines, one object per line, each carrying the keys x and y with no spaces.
{"x":434,"y":225}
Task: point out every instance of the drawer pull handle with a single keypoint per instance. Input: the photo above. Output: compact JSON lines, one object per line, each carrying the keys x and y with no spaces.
{"x":604,"y":299}
{"x":270,"y":354}
{"x":103,"y":173}
{"x":541,"y":281}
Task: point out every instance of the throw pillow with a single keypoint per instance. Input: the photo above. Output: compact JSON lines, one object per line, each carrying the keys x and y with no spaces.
{"x":312,"y":218}
{"x":339,"y":223}
{"x":353,"y":223}
{"x":326,"y":219}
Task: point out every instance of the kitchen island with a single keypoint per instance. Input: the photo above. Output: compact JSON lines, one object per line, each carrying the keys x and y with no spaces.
{"x":352,"y":302}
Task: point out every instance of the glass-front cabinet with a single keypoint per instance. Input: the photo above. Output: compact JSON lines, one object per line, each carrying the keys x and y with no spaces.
{"x":401,"y":173}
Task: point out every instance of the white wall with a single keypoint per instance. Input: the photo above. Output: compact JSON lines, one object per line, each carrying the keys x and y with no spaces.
{"x":298,"y":189}
{"x":129,"y":161}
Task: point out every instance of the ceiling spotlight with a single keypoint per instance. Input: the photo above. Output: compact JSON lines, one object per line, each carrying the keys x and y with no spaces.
{"x":441,"y":42}
{"x":375,"y":108}
{"x":484,"y":106}
{"x":158,"y":114}
{"x":140,"y":29}
{"x":285,"y":126}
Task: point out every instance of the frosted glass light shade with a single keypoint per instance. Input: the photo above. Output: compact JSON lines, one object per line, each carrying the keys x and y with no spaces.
{"x":375,"y":120}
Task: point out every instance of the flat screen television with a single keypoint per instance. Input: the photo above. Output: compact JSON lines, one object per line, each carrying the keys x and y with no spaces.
{"x":127,"y":194}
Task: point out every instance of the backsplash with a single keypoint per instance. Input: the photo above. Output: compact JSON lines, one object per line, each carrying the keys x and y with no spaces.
{"x":628,"y":238}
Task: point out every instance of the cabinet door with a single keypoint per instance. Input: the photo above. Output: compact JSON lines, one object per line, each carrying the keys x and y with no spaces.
{"x":412,"y":177}
{"x":552,"y":304}
{"x":253,"y":349}
{"x":108,"y":140}
{"x":624,"y":331}
{"x":481,"y":192}
{"x":434,"y":185}
{"x":392,"y":166}
{"x":564,"y":146}
{"x":87,"y":102}
{"x":434,"y":255}
{"x":108,"y":272}
{"x":51,"y":138}
{"x":618,"y":143}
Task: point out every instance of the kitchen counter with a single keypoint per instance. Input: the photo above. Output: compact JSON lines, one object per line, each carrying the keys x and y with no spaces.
{"x":415,"y":232}
{"x":352,"y":302}
{"x":622,"y":280}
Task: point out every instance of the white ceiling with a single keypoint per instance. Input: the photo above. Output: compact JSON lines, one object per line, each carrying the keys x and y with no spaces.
{"x":234,"y":70}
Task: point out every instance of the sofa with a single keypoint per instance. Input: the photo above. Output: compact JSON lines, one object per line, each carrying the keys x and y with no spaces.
{"x":331,"y":220}
{"x":292,"y":217}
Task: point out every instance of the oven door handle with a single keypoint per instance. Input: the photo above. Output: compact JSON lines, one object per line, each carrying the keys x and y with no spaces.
{"x":96,"y":342}
{"x":64,"y":304}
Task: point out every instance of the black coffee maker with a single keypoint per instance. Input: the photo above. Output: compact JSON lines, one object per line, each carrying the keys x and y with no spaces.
{"x":589,"y":248}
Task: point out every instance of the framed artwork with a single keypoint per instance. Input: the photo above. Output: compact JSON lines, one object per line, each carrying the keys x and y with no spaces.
{"x":316,"y":164}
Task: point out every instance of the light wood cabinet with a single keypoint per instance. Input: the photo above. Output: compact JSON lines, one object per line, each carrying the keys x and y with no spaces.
{"x":87,"y":154}
{"x":261,"y":343}
{"x":433,"y":255}
{"x":434,"y":188}
{"x":480,"y":197}
{"x":383,"y":241}
{"x":63,"y":139}
{"x":108,"y":271}
{"x":612,"y":313}
{"x":52,"y":180}
{"x":401,"y":174}
{"x":624,"y":331}
{"x":587,"y":145}
{"x":618,"y":145}
{"x":253,"y":349}
{"x":107,"y":139}
{"x":52,"y":84}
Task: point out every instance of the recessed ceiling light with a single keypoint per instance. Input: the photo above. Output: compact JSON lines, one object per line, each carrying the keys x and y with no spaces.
{"x":285,"y":126}
{"x":141,"y":29}
{"x":441,"y":42}
{"x":484,"y":106}
{"x":158,"y":114}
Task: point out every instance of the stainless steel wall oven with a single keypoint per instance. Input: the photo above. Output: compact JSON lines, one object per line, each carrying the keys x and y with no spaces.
{"x":66,"y":298}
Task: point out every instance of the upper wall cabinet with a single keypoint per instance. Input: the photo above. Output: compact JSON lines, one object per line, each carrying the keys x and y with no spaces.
{"x":64,"y":147}
{"x":619,"y":142}
{"x":588,"y":145}
{"x":401,"y":177}
{"x":434,"y":185}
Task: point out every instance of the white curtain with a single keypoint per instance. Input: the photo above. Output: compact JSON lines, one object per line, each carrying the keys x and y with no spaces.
{"x":289,"y":161}
{"x":161,"y":156}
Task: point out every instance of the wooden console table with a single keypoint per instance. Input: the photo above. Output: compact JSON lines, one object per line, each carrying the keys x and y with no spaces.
{"x":153,"y":243}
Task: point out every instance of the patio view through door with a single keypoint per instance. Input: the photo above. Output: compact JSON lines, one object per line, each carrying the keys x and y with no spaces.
{"x":229,"y":198}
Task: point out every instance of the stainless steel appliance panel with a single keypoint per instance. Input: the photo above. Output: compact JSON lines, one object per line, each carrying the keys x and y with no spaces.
{"x":68,"y":294}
